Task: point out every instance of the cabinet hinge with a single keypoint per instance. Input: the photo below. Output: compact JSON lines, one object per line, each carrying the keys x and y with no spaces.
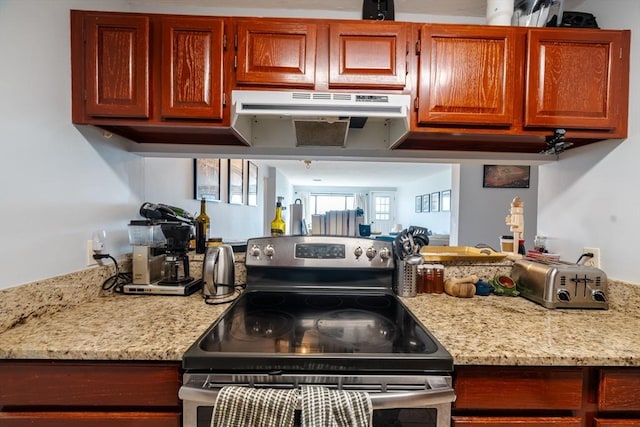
{"x":235,"y":41}
{"x":224,"y":100}
{"x":224,"y":41}
{"x":416,"y":102}
{"x":418,"y":47}
{"x":621,"y":53}
{"x":235,"y":62}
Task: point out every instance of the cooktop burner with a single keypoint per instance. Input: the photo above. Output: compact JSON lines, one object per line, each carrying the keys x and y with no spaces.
{"x":295,"y":331}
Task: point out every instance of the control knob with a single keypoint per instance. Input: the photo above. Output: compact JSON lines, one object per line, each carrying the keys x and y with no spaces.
{"x":564,"y":295}
{"x":269,"y":251}
{"x":599,"y":296}
{"x":371,"y":252}
{"x":385,"y":253}
{"x":254,"y":251}
{"x":357,"y":252}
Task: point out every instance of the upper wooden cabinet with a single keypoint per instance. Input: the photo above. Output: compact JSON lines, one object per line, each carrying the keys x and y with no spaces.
{"x":192,"y":56}
{"x":467,"y":75}
{"x":276,"y":53}
{"x":575,"y":79}
{"x":368,"y":55}
{"x":116,"y":82}
{"x":522,"y":83}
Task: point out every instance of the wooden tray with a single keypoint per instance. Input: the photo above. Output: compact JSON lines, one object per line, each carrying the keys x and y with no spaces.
{"x":459,"y":253}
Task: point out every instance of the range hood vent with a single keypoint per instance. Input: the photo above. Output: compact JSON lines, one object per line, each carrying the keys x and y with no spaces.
{"x":317,"y":119}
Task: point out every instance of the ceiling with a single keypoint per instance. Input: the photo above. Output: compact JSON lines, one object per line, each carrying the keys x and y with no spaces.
{"x":344,"y":173}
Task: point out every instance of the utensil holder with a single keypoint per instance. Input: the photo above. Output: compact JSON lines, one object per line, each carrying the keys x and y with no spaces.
{"x":406,"y":277}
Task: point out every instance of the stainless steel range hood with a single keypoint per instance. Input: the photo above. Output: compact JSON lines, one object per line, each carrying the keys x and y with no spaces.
{"x":319,"y":119}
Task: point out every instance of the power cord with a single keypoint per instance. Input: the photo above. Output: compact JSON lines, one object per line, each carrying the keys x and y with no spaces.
{"x":237,"y":290}
{"x":117,"y":280}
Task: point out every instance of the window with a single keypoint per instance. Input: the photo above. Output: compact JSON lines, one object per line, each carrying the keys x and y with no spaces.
{"x":383,"y":208}
{"x":321,"y":203}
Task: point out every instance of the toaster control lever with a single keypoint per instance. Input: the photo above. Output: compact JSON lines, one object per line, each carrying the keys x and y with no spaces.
{"x":564,"y":295}
{"x":599,"y":296}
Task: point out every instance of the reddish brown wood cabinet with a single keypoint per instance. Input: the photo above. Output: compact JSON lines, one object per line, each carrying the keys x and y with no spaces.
{"x":116,"y":73}
{"x":516,"y":422}
{"x":368,"y":55}
{"x":618,"y":398}
{"x":276,"y":53}
{"x":192,"y":57}
{"x":467,"y":75}
{"x":57,"y":393}
{"x":576,"y":79}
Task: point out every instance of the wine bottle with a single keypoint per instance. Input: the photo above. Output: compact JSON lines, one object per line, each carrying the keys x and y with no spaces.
{"x":203,"y":224}
{"x":278,"y":225}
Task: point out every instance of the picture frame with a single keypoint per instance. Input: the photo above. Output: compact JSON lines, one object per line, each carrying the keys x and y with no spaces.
{"x":206,"y":179}
{"x":426,"y":203}
{"x":418,"y":205}
{"x":445,"y":201}
{"x":435,"y":202}
{"x":252,"y":184}
{"x":236,"y":181}
{"x":506,"y":176}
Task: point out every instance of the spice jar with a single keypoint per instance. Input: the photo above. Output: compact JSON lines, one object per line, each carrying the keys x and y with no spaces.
{"x":438,"y":278}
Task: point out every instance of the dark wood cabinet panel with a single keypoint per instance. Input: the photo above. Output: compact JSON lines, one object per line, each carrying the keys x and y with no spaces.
{"x":89,"y":419}
{"x":276,"y":53}
{"x":619,"y":390}
{"x":192,"y":56}
{"x":367,"y":55}
{"x":78,"y":384}
{"x":517,"y":421}
{"x":617,"y":423}
{"x":575,"y":79}
{"x":117,"y":66}
{"x":523,"y":388}
{"x":467,"y":75}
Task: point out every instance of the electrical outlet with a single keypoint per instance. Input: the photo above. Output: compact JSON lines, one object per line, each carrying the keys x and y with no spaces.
{"x":595,"y":261}
{"x":90,"y":260}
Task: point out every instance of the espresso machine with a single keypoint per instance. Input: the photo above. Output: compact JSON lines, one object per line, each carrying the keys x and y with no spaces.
{"x":160,"y":264}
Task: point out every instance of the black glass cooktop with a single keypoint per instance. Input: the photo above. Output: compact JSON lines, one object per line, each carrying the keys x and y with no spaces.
{"x":292,"y":331}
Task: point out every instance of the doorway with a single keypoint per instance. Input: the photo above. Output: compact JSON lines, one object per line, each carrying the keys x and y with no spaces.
{"x":382,"y":211}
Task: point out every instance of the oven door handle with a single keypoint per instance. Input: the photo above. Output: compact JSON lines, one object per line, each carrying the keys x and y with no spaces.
{"x":386,"y":400}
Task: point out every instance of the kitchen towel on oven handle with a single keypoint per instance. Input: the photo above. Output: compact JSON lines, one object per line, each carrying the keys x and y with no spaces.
{"x":254,"y":407}
{"x":337,"y":408}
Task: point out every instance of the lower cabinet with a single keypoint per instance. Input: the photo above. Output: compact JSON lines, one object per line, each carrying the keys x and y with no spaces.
{"x":92,"y":394}
{"x":517,"y":421}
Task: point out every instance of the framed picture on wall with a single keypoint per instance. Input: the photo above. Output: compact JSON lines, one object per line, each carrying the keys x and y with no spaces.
{"x":426,"y":206}
{"x":252,"y":187}
{"x":418,"y":203}
{"x":435,"y":201}
{"x":236,"y":181}
{"x":206,"y":179}
{"x":506,"y":176}
{"x":445,"y":200}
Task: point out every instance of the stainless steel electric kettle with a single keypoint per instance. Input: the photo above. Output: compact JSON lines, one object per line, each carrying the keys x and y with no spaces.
{"x":218,"y":272}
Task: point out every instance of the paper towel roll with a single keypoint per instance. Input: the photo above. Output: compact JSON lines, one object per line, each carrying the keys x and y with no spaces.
{"x":295,"y":218}
{"x":499,"y":12}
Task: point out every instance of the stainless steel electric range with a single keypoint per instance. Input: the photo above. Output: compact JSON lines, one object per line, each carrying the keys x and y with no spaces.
{"x":321,"y":310}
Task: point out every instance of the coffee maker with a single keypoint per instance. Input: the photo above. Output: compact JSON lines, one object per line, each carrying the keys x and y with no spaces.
{"x":160,"y":264}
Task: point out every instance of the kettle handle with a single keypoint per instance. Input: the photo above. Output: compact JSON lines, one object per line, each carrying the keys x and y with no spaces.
{"x":210,"y":269}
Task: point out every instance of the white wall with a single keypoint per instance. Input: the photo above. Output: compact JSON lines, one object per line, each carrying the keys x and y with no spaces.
{"x":590,"y":197}
{"x":58,"y":183}
{"x":482,"y":211}
{"x":437,"y":222}
{"x":170,"y":181}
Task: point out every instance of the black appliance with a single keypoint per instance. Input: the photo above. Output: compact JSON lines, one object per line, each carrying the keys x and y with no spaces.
{"x":321,"y":310}
{"x":378,"y":10}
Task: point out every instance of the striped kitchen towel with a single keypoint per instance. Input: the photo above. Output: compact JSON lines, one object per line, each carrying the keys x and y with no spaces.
{"x":322,"y":407}
{"x":251,"y":407}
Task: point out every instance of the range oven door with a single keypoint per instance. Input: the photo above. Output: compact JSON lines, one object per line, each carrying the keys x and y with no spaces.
{"x":420,"y":401}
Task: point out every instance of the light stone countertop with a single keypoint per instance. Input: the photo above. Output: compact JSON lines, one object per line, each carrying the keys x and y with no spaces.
{"x":476,"y":331}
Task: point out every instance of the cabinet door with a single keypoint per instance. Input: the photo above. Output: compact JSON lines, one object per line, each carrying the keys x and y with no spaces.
{"x":616,"y":423}
{"x":619,"y":390}
{"x":89,"y":419}
{"x":117,"y":66}
{"x":467,"y":75}
{"x":276,"y":53}
{"x":367,"y":55}
{"x":517,"y":421}
{"x":574,"y":78}
{"x":192,"y":54}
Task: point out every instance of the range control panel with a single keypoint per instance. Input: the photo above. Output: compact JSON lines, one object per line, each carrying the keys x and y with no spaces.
{"x":319,"y":252}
